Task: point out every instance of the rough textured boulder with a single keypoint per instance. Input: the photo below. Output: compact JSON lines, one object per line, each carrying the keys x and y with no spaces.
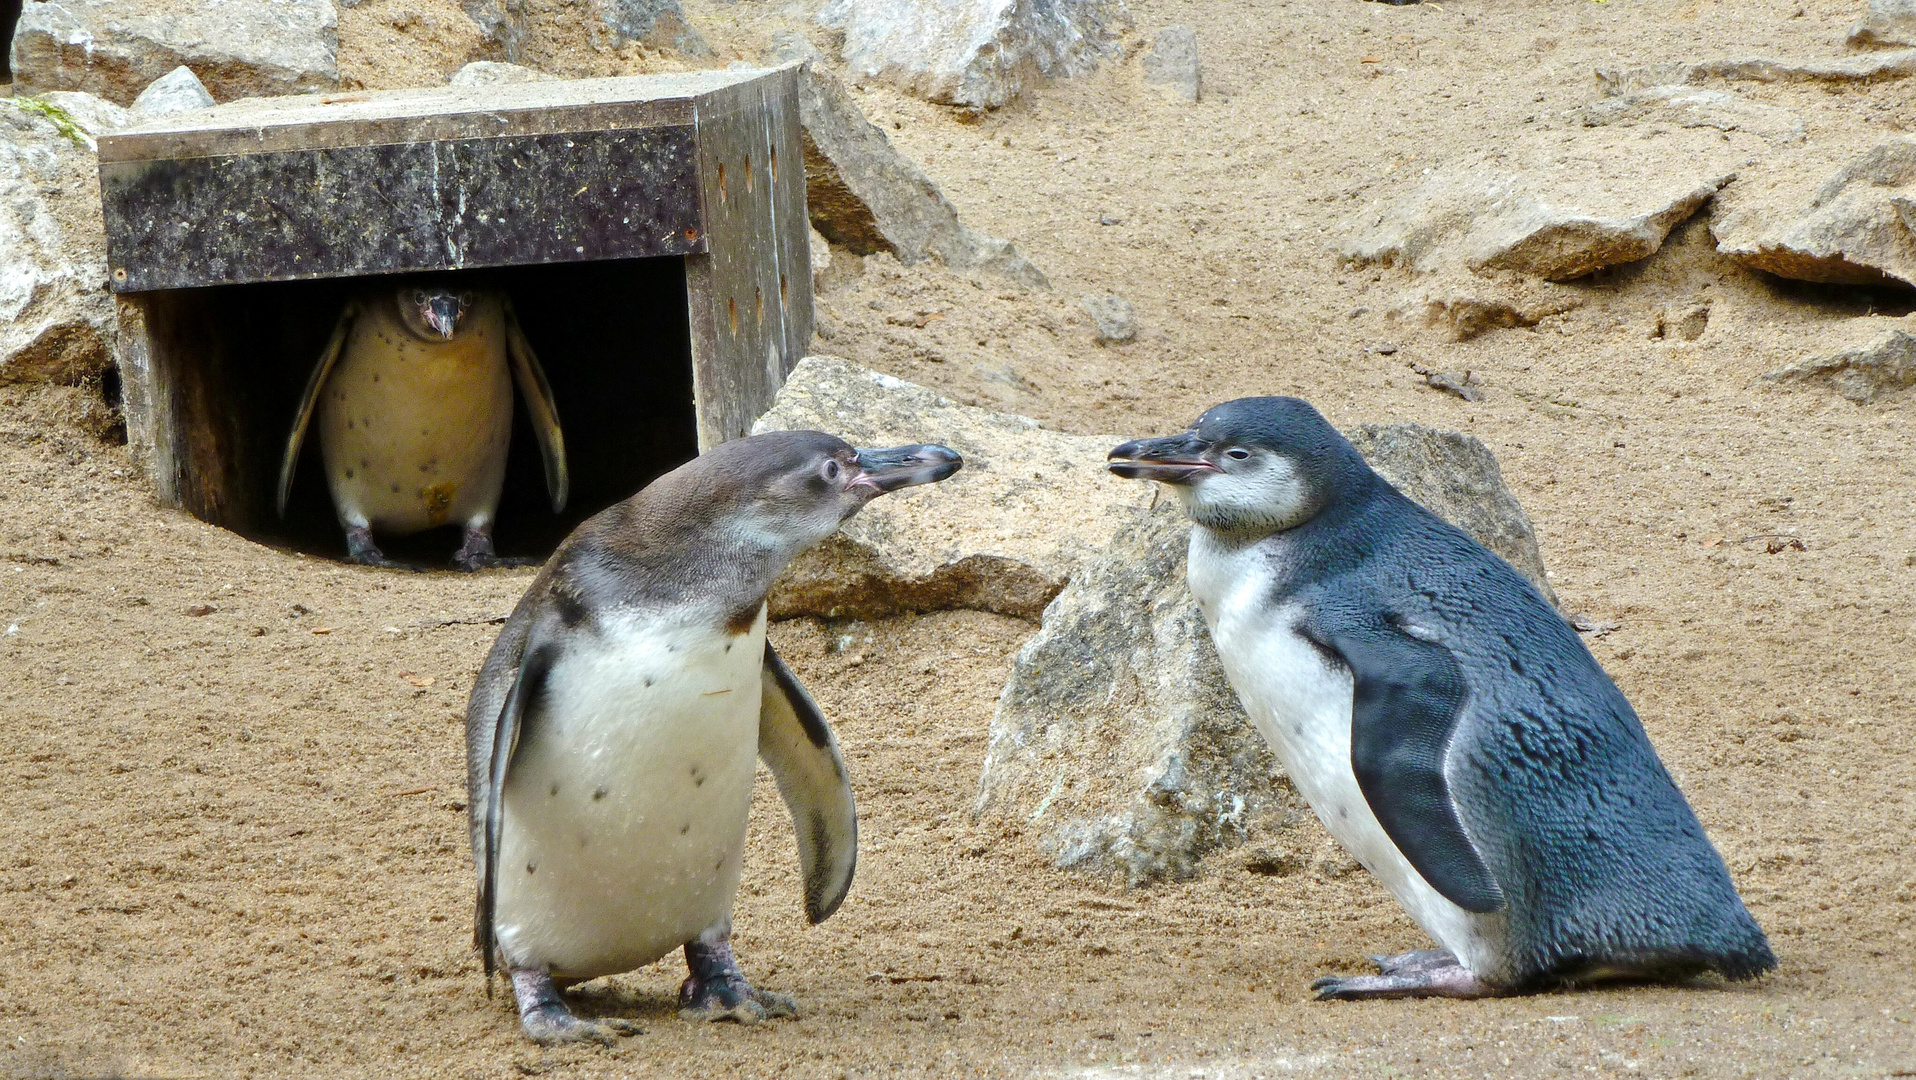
{"x":502,"y":27}
{"x":865,"y":196}
{"x":239,"y":48}
{"x":56,"y":319}
{"x":1855,"y":227}
{"x":90,"y":114}
{"x":1002,"y":535}
{"x":1863,"y":373}
{"x":980,"y":54}
{"x":1696,"y":107}
{"x":1112,"y":318}
{"x":1172,"y":63}
{"x":1117,"y":739}
{"x":1888,"y":22}
{"x":176,"y":91}
{"x":1876,"y":67}
{"x":1556,"y":227}
{"x":659,"y":23}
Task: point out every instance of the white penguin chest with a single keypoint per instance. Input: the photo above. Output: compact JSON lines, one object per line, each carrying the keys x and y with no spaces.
{"x":626,"y":807}
{"x":1300,"y":701}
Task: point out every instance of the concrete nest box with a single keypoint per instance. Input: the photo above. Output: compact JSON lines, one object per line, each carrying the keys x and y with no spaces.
{"x":649,"y":233}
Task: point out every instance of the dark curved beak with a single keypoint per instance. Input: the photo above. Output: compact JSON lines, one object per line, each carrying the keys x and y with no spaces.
{"x":905,"y":466}
{"x":442,"y":314}
{"x":1173,"y":459}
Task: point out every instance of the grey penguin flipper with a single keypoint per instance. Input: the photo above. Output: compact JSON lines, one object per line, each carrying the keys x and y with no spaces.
{"x":797,"y":745}
{"x":540,"y":403}
{"x":527,"y":685}
{"x":1407,"y":695}
{"x":310,"y":400}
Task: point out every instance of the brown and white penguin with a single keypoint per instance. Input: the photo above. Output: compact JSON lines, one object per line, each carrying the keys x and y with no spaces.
{"x":413,"y":398}
{"x":612,"y":732}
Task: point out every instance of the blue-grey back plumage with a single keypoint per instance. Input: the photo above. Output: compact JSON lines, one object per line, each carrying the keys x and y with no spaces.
{"x":1602,"y":862}
{"x":1497,"y":756}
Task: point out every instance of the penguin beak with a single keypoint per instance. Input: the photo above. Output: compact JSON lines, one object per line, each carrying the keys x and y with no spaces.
{"x":1173,"y":459}
{"x":897,"y":467}
{"x":442,"y":314}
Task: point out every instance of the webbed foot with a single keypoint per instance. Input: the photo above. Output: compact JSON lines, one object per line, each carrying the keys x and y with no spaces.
{"x":717,"y":990}
{"x":546,"y":1020}
{"x":1415,"y":974}
{"x":477,"y":553}
{"x":361,"y":549}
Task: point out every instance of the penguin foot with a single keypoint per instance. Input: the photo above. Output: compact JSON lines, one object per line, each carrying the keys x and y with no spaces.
{"x":477,"y":554}
{"x":1415,"y":962}
{"x":544,"y":1018}
{"x":717,"y":990}
{"x":361,"y":549}
{"x":1416,"y":974}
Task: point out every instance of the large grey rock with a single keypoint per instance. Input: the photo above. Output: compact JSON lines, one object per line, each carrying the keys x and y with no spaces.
{"x":1863,"y":373}
{"x":1888,"y":22}
{"x":1117,"y":740}
{"x":979,"y":54}
{"x":1872,"y":68}
{"x":1696,"y":107}
{"x":239,"y":48}
{"x":1553,"y":226}
{"x":176,"y":91}
{"x":1004,"y":534}
{"x":659,"y":23}
{"x":864,"y":195}
{"x":1172,"y":63}
{"x":56,"y":319}
{"x":1855,"y":227}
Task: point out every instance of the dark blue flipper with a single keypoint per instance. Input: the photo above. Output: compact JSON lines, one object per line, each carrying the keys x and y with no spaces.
{"x":1407,"y":696}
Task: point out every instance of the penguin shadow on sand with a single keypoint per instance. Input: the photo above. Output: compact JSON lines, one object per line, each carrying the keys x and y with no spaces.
{"x":467,"y":419}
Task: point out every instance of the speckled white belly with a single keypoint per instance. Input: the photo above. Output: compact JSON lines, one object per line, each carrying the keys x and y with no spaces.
{"x":1301,"y":704}
{"x":415,"y":433}
{"x":626,"y":807}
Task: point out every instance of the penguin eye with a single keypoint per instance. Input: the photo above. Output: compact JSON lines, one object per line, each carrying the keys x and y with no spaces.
{"x":1237,"y":453}
{"x":831,"y":469}
{"x":419,"y":297}
{"x":465,"y":299}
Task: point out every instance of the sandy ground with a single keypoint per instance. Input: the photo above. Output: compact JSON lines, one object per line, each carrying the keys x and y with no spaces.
{"x":234,"y":842}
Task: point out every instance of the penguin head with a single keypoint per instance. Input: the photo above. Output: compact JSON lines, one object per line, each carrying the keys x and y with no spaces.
{"x":792,"y":489}
{"x":434,"y":311}
{"x":1254,"y":465}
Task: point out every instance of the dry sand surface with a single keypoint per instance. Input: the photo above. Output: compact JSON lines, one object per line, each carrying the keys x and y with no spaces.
{"x":234,"y":843}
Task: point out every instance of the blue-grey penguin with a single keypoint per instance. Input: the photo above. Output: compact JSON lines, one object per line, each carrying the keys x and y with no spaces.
{"x":1445,"y":723}
{"x":413,"y":398}
{"x":612,"y":732}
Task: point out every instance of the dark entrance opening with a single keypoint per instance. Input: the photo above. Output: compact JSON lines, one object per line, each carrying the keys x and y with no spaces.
{"x":614,"y":339}
{"x":9,"y":18}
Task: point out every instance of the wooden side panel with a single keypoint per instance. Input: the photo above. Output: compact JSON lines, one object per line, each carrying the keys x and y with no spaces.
{"x":146,"y":401}
{"x":750,"y":294}
{"x":390,"y":208}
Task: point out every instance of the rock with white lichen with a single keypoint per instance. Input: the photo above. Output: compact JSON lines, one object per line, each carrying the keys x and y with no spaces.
{"x":56,"y":318}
